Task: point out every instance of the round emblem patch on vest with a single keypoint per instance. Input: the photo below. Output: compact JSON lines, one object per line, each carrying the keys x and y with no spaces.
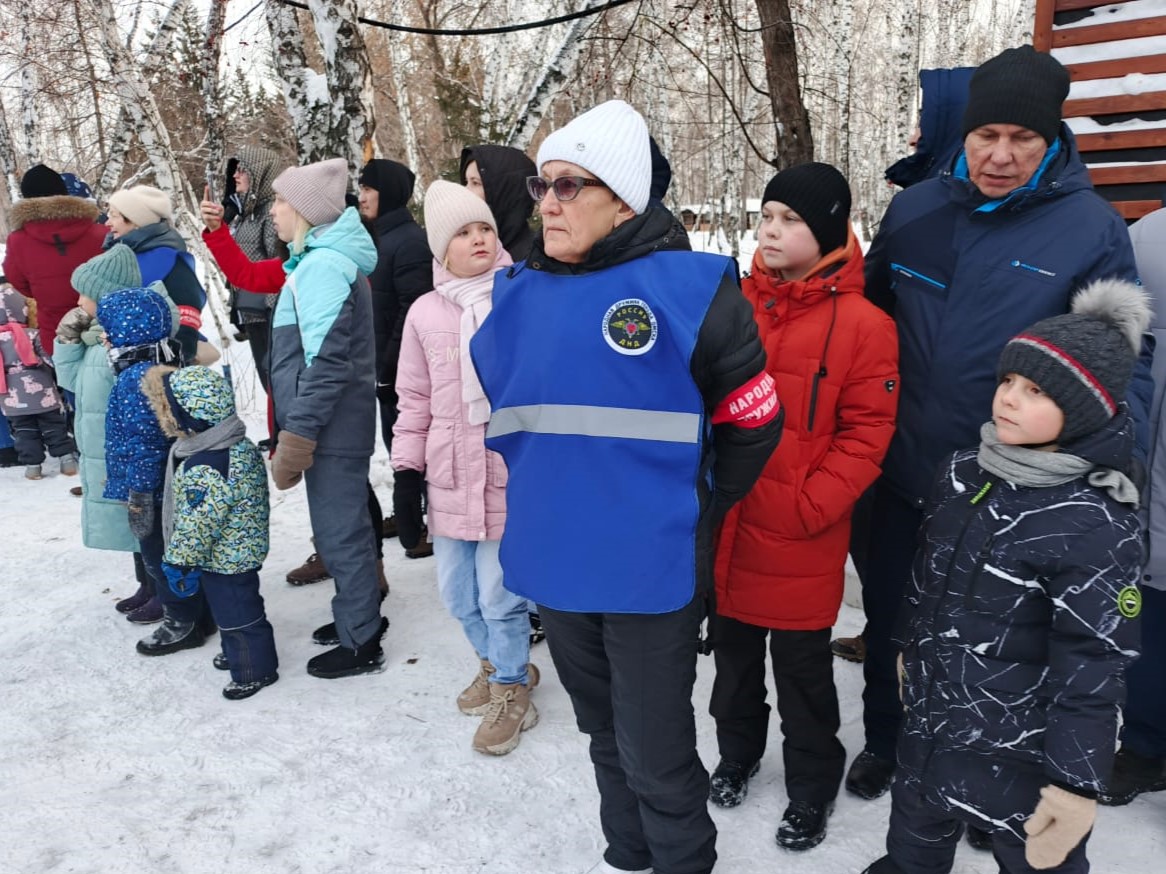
{"x":1129,"y":602}
{"x":629,"y":327}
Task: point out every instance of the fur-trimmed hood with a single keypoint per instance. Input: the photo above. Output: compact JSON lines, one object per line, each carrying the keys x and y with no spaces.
{"x":57,"y":208}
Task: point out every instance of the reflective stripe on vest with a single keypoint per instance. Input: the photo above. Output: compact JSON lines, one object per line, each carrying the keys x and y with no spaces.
{"x":587,"y":421}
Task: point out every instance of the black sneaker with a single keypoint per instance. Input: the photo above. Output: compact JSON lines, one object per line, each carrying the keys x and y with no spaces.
{"x":978,"y":839}
{"x":344,"y":662}
{"x":537,"y":633}
{"x":1132,"y":775}
{"x":238,"y":691}
{"x":172,"y":636}
{"x":220,"y":662}
{"x":803,"y":825}
{"x":869,"y":775}
{"x":730,"y":783}
{"x":326,"y":635}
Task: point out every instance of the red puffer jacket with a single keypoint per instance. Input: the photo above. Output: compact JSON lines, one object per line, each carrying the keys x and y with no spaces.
{"x":834,"y":356}
{"x":51,"y":237}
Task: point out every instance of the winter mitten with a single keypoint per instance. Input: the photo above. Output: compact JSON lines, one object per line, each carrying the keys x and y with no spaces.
{"x":141,"y":514}
{"x":293,"y":455}
{"x":407,"y":488}
{"x":183,"y":581}
{"x":1061,"y":819}
{"x":73,"y":325}
{"x":94,"y":335}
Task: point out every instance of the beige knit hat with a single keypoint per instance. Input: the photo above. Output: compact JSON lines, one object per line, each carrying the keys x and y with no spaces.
{"x":611,"y":141}
{"x":448,"y":208}
{"x":142,"y":205}
{"x":315,"y":191}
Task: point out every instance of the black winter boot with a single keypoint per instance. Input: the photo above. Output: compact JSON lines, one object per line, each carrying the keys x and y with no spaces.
{"x":869,"y":775}
{"x":172,"y":636}
{"x":730,"y":783}
{"x":803,"y":825}
{"x":344,"y":662}
{"x":1132,"y":775}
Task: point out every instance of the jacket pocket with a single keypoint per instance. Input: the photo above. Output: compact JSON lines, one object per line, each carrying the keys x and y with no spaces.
{"x":908,"y":279}
{"x":441,"y":455}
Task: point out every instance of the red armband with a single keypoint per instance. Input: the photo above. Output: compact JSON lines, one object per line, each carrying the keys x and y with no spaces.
{"x":752,"y":405}
{"x":190,"y":317}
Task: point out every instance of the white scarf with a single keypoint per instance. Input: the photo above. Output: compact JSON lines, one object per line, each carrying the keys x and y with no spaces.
{"x":475,"y":298}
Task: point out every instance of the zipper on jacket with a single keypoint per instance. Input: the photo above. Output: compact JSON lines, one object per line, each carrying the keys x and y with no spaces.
{"x":821,"y":372}
{"x":915,"y":274}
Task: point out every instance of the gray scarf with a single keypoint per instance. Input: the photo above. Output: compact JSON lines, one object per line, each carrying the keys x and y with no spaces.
{"x":1037,"y":469}
{"x":221,"y":436}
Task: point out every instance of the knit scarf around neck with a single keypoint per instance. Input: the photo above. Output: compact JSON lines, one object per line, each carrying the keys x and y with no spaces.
{"x":24,"y":350}
{"x":224,"y":435}
{"x":1036,"y":469}
{"x":475,"y":298}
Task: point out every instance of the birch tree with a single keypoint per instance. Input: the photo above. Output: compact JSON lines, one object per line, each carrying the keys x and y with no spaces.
{"x":213,"y":110}
{"x":28,"y":90}
{"x":794,"y":143}
{"x":349,"y":78}
{"x":305,"y":92}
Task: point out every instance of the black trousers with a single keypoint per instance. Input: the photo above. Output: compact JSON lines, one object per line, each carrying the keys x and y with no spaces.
{"x":259,"y":338}
{"x":894,"y":530}
{"x":630,"y":679}
{"x":807,"y":702}
{"x":32,"y":434}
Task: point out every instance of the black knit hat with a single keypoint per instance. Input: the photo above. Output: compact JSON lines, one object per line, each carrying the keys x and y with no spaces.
{"x":1019,"y":86}
{"x":819,"y":194}
{"x":42,"y":181}
{"x":1084,"y":359}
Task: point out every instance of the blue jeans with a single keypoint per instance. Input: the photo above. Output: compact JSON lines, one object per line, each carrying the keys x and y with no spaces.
{"x":469,"y":578}
{"x":248,"y":641}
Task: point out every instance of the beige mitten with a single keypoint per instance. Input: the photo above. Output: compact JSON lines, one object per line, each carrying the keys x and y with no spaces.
{"x":1058,"y":824}
{"x":293,"y":455}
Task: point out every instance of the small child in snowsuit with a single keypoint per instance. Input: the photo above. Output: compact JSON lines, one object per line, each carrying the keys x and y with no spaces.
{"x":29,"y":397}
{"x":1019,"y":622}
{"x":441,"y":432}
{"x":138,"y":325}
{"x":214,"y":517}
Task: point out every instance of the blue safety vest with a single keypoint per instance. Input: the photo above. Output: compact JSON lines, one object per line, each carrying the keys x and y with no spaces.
{"x":602,"y":427}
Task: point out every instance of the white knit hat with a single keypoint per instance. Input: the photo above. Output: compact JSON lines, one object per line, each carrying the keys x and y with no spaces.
{"x":448,"y":208}
{"x":142,"y":205}
{"x":610,"y":141}
{"x":315,"y":191}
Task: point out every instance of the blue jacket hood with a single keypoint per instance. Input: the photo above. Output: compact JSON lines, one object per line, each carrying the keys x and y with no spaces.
{"x":135,"y":316}
{"x":945,"y":94}
{"x":347,"y":236}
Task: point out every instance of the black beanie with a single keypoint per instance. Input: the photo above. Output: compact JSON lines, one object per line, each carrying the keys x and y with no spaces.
{"x":1084,"y":359}
{"x":819,"y":194}
{"x":392,"y":180}
{"x":42,"y":181}
{"x":1019,"y":86}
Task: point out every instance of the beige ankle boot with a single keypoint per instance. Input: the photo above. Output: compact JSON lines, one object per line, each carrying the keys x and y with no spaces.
{"x":510,"y":713}
{"x":474,"y":700}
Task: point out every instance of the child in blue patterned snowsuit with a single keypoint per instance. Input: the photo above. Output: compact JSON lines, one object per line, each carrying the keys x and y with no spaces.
{"x":137,"y":323}
{"x":1019,"y":621}
{"x":214,"y":517}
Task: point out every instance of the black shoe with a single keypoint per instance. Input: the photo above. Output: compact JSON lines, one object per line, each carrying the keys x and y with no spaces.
{"x":978,"y":839}
{"x":730,"y":783}
{"x":344,"y":662}
{"x":326,"y":635}
{"x":1132,"y":775}
{"x":172,"y":636}
{"x":869,"y":775}
{"x":883,"y":866}
{"x":803,"y":825}
{"x":238,"y":691}
{"x":220,"y":662}
{"x":8,"y":457}
{"x":537,"y":633}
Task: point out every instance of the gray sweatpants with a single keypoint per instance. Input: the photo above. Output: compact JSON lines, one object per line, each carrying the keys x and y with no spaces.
{"x":338,"y":507}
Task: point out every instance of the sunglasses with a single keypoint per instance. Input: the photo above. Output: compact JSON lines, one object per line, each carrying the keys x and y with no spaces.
{"x":566,"y":188}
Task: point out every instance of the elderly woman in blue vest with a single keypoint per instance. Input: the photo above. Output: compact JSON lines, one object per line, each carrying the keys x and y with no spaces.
{"x":631,"y":404}
{"x":140,"y":218}
{"x":324,"y":391}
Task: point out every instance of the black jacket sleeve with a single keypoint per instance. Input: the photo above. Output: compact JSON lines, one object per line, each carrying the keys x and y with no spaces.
{"x":728,"y":354}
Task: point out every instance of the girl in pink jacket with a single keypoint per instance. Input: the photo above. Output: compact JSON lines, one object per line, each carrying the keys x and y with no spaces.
{"x":441,"y":431}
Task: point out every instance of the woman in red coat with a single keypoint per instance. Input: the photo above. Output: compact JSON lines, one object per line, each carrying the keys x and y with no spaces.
{"x":782,"y":552}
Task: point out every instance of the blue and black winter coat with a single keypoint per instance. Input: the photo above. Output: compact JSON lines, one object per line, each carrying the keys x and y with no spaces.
{"x":1016,"y":632}
{"x":135,"y":447}
{"x":961,"y":275}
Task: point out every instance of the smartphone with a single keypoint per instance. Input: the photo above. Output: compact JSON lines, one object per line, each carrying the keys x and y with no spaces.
{"x":212,"y":195}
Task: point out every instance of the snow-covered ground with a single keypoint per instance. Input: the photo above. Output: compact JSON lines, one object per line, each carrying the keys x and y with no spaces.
{"x":111,"y":762}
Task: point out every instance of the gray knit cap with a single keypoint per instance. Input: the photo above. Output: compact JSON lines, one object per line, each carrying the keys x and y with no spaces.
{"x":1084,"y":359}
{"x":315,"y":191}
{"x":109,"y":271}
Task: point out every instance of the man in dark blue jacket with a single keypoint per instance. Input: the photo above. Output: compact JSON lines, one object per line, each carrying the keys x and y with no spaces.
{"x":964,"y":261}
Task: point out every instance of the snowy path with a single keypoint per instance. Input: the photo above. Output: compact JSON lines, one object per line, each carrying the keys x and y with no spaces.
{"x":111,"y":762}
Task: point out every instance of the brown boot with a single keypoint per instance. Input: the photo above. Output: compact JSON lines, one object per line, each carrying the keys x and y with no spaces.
{"x":382,"y":581}
{"x":423,"y":549}
{"x":853,"y":649}
{"x":474,"y":699}
{"x":311,"y":571}
{"x":388,"y":527}
{"x":510,"y":713}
